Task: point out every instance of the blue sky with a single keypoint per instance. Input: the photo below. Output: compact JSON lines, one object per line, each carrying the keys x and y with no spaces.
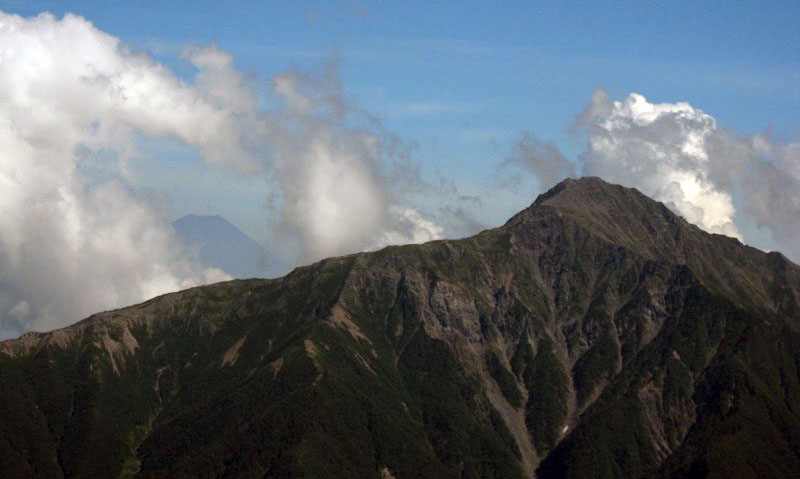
{"x":738,"y":59}
{"x":460,"y":82}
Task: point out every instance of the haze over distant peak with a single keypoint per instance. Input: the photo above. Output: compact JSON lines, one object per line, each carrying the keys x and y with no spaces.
{"x":218,"y":243}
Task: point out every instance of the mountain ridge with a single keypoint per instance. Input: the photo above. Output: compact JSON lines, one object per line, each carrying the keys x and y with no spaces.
{"x":505,"y":353}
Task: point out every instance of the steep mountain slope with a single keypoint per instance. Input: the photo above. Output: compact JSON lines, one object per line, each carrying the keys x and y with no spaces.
{"x":595,"y":334}
{"x":217,"y":243}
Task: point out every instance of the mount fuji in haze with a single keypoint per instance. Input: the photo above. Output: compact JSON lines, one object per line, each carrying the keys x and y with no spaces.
{"x":596,"y":334}
{"x":215,"y":242}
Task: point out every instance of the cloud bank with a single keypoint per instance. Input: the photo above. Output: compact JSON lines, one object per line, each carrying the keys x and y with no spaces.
{"x":68,"y":246}
{"x":74,"y":99}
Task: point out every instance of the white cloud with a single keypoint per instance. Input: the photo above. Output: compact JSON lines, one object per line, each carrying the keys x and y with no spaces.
{"x":763,"y":174}
{"x":662,"y":150}
{"x":70,"y":94}
{"x":338,"y":182}
{"x":67,"y":247}
{"x":676,"y":153}
{"x":411,"y":227}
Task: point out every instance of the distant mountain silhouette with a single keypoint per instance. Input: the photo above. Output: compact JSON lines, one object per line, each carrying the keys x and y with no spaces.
{"x":217,"y":243}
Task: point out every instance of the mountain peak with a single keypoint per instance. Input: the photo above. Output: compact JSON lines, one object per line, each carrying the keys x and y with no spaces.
{"x":582,"y":185}
{"x":218,"y":243}
{"x":618,"y":214}
{"x":590,"y":195}
{"x":628,"y":219}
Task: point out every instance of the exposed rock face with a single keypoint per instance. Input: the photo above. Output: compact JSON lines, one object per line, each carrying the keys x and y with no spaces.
{"x":596,"y":334}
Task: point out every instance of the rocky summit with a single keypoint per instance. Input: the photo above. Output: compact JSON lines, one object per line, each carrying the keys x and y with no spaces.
{"x":595,"y":334}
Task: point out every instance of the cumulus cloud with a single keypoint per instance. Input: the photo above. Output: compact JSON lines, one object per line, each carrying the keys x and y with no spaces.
{"x":678,"y":154}
{"x":68,"y":246}
{"x":410,"y":227}
{"x":662,"y":149}
{"x":337,"y":181}
{"x":71,"y":95}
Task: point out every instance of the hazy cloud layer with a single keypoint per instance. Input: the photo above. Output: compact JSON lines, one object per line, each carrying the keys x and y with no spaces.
{"x":73,"y":99}
{"x":765,"y":177}
{"x":543,"y":159}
